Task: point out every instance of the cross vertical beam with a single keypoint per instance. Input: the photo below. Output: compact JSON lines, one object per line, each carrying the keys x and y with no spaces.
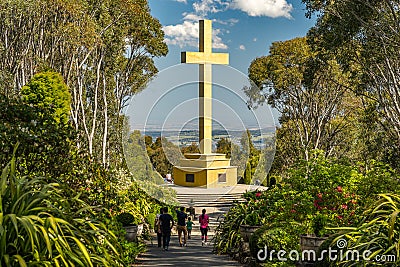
{"x":205,"y":58}
{"x":205,"y":108}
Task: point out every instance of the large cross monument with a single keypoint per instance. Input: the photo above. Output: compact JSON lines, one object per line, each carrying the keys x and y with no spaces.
{"x":206,"y":169}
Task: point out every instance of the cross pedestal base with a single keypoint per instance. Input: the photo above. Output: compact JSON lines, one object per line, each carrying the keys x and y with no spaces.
{"x":205,"y":170}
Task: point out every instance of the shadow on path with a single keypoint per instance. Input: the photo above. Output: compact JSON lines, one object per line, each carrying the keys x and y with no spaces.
{"x":192,"y":255}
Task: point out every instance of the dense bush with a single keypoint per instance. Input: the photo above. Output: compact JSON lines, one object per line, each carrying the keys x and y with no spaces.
{"x":378,"y":233}
{"x":45,"y":144}
{"x":41,"y":226}
{"x":319,"y":196}
{"x":68,"y":192}
{"x":125,"y":218}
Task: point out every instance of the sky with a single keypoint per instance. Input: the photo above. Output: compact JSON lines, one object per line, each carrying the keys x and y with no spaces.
{"x":243,"y":28}
{"x":170,"y":102}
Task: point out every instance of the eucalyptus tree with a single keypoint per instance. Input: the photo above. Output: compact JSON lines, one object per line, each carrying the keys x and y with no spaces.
{"x":312,"y":97}
{"x":103,"y":49}
{"x":365,"y":32}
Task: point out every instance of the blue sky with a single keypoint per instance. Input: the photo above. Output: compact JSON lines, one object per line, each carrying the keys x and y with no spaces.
{"x":243,"y":28}
{"x":170,"y":101}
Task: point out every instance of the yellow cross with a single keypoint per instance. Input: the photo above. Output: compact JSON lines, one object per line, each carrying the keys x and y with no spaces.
{"x":205,"y":58}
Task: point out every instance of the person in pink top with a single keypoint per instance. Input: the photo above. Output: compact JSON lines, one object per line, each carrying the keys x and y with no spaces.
{"x":204,"y":219}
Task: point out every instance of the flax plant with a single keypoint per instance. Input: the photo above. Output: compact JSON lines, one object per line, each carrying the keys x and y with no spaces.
{"x":39,"y":226}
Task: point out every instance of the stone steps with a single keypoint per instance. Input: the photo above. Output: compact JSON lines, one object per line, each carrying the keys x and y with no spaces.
{"x":216,"y":201}
{"x":209,"y":200}
{"x":217,"y":205}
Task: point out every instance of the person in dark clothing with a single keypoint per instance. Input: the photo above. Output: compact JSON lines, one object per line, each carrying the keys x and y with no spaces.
{"x":182,"y":216}
{"x":166,"y":223}
{"x":157,"y":228}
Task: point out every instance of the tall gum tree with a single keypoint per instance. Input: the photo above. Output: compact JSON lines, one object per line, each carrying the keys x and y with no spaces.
{"x":312,"y":97}
{"x":103,"y":49}
{"x":365,"y":32}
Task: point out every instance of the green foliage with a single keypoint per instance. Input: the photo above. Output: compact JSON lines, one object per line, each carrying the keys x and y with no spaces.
{"x":141,"y":169}
{"x":224,"y":147}
{"x":318,"y":224}
{"x":253,"y":156}
{"x":45,"y":144}
{"x":377,"y":178}
{"x":47,"y":90}
{"x":314,"y":97}
{"x":137,"y":160}
{"x":379,"y":232}
{"x":239,"y":157}
{"x":193,"y":148}
{"x":163,"y":154}
{"x":130,"y":250}
{"x":39,"y":226}
{"x":125,"y":218}
{"x":275,"y":237}
{"x":108,"y":59}
{"x":362,"y":35}
{"x":247,"y":174}
{"x":150,"y":219}
{"x":317,"y":196}
{"x":227,"y":235}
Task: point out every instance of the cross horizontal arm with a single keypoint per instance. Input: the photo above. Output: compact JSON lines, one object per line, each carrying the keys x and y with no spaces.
{"x":205,"y":58}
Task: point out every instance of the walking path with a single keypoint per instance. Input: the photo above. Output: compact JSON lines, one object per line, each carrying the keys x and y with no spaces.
{"x":192,"y":255}
{"x":217,"y":202}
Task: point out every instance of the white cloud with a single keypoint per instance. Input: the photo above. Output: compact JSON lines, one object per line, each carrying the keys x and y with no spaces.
{"x":230,"y":22}
{"x":191,"y":17}
{"x":217,"y":40}
{"x":258,"y":8}
{"x":255,"y":40}
{"x":209,"y":6}
{"x":242,"y":47}
{"x":187,"y":34}
{"x":181,"y":1}
{"x":182,"y":34}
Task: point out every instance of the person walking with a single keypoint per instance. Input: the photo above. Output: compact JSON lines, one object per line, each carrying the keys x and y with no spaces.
{"x":166,"y":223}
{"x":157,"y":228}
{"x":204,"y":219}
{"x":181,"y":227}
{"x":189,"y":226}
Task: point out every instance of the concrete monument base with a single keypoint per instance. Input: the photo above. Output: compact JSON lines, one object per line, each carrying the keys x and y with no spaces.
{"x":205,"y":170}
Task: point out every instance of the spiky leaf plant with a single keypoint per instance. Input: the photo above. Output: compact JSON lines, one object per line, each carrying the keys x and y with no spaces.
{"x":378,"y":236}
{"x":39,"y":226}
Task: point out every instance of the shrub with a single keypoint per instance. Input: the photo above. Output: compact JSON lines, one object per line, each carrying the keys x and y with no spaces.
{"x":275,"y":238}
{"x":39,"y":226}
{"x":125,"y":218}
{"x":379,"y":233}
{"x":48,"y":90}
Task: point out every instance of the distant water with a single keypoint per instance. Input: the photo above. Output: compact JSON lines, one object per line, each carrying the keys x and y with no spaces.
{"x":186,"y":137}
